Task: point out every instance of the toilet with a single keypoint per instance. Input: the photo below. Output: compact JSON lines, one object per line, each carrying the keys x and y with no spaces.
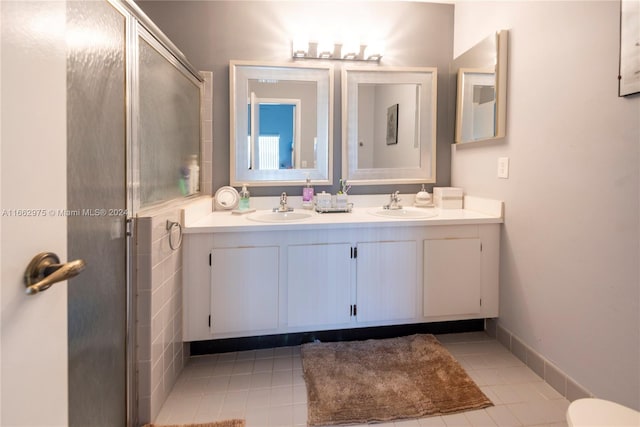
{"x":598,"y":412}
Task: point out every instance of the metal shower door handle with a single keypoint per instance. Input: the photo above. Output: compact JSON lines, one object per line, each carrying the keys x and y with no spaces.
{"x":45,"y":269}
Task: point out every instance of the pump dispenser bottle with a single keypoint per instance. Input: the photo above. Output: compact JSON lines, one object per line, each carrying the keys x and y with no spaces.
{"x":423,"y":198}
{"x":307,"y":195}
{"x":243,"y":205}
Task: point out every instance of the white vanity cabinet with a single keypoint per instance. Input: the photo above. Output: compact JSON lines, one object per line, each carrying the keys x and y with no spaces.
{"x":244,"y":289}
{"x":338,"y":284}
{"x":319,"y":284}
{"x":243,"y":281}
{"x":386,"y":281}
{"x":460,"y":272}
{"x":230,"y":287}
{"x":452,"y":277}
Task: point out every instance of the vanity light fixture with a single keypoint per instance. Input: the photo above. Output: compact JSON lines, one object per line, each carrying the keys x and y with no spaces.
{"x":337,"y":51}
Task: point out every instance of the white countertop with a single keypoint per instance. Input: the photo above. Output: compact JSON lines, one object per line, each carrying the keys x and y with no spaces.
{"x":478,"y":211}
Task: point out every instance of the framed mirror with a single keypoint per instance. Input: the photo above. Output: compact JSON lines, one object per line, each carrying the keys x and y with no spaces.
{"x":389,"y":125}
{"x":481,"y":97}
{"x":281,"y":123}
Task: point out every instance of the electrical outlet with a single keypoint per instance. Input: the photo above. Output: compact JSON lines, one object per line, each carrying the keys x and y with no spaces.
{"x":503,"y":167}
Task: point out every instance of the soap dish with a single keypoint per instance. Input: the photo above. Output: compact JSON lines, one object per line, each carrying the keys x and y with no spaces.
{"x":424,"y":205}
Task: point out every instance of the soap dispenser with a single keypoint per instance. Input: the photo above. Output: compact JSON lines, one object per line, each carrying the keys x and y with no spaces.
{"x":423,"y":198}
{"x":307,"y":195}
{"x":243,"y":205}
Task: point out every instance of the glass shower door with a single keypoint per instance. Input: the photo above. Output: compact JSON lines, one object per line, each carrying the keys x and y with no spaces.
{"x":97,"y":204}
{"x":133,"y":123}
{"x":168,"y":130}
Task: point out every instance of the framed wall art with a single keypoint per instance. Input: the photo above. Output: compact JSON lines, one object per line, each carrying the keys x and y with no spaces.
{"x":392,"y":124}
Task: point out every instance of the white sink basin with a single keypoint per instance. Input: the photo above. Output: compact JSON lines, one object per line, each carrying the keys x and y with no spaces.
{"x":405,"y":213}
{"x":279,"y":216}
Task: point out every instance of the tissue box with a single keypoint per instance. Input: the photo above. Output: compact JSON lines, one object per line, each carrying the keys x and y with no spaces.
{"x":448,"y":197}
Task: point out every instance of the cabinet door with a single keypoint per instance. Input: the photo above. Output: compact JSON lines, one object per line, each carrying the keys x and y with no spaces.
{"x":452,"y":277}
{"x":386,"y":281}
{"x":244,"y":289}
{"x":318,"y":284}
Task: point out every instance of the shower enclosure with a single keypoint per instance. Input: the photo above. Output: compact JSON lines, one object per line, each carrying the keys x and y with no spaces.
{"x":133,"y":105}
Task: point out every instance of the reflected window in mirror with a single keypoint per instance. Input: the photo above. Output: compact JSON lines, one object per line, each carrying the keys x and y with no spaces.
{"x":389,"y":125}
{"x":481,"y":90}
{"x":274,"y":140}
{"x":280,"y":123}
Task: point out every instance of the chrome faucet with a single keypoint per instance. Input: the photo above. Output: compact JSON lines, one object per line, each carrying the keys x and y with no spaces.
{"x":394,"y":200}
{"x":283,"y":204}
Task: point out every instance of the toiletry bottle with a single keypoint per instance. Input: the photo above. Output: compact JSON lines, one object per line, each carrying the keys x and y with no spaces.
{"x":323,"y":200}
{"x":423,"y":198}
{"x":184,"y":181}
{"x":307,"y":195}
{"x":243,"y":205}
{"x":194,"y":175}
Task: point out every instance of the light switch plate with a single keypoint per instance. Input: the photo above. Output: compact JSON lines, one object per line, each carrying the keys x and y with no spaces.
{"x":503,"y":167}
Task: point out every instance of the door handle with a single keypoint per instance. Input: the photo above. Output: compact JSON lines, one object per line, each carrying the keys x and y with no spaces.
{"x":45,"y":269}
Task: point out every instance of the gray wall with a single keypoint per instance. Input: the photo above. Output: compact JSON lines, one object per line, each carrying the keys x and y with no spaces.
{"x":569,"y":278}
{"x":210,"y":33}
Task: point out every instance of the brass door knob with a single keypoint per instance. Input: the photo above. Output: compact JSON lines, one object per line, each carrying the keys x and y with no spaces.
{"x":45,"y":269}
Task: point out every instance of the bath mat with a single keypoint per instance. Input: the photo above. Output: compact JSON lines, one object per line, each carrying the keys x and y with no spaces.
{"x":384,"y":380}
{"x":228,"y":423}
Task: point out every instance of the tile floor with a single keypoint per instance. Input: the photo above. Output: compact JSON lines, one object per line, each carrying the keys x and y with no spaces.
{"x":266,"y":388}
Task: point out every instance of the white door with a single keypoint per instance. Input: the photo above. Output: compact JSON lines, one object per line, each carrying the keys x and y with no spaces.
{"x":244,"y":290}
{"x":33,"y":329}
{"x":386,"y":281}
{"x":452,"y":277}
{"x":319,"y":292}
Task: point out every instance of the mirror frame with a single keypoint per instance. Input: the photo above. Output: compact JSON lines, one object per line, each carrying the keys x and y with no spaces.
{"x":426,"y":78}
{"x":240,"y":72}
{"x":493,"y":59}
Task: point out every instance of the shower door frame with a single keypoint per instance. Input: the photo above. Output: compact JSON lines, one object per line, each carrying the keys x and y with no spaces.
{"x":139,"y":26}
